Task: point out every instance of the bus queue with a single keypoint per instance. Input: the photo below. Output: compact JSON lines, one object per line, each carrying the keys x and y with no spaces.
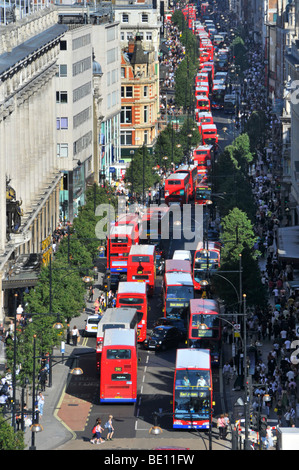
{"x":133,"y":245}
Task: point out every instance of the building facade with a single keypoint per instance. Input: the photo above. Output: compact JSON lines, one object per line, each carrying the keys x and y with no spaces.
{"x":30,"y":177}
{"x":74,"y":120}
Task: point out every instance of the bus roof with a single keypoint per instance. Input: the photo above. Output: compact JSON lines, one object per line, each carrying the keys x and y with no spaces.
{"x":179,"y":278}
{"x":193,"y":359}
{"x":202,"y":305}
{"x":155,"y":212}
{"x":204,"y":147}
{"x":211,"y":246}
{"x":177,"y":265}
{"x":186,"y":168}
{"x":126,"y":218}
{"x":119,"y":337}
{"x":176,"y":176}
{"x":209,"y":126}
{"x":142,"y":250}
{"x":121,"y":229}
{"x":118,"y":315}
{"x":131,"y":287}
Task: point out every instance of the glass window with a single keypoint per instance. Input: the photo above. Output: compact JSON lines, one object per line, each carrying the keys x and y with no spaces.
{"x":144,"y":18}
{"x":62,"y":150}
{"x":126,"y":137}
{"x":126,"y":115}
{"x":140,"y":259}
{"x":63,"y":70}
{"x":64,"y":123}
{"x":118,"y":354}
{"x":125,"y":18}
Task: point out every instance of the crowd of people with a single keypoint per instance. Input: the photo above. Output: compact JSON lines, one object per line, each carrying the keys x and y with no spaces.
{"x":276,"y":375}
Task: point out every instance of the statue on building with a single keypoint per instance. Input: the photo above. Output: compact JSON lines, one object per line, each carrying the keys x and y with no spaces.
{"x":13,"y":210}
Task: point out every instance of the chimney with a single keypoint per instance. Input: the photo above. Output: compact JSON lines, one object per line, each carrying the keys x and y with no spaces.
{"x":131,"y":45}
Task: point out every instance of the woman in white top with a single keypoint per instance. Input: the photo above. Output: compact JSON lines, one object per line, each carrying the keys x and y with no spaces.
{"x":75,"y":335}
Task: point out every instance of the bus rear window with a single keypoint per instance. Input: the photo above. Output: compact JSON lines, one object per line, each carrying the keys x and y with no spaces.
{"x":131,"y":301}
{"x":118,"y":354}
{"x":113,"y":325}
{"x":140,"y":259}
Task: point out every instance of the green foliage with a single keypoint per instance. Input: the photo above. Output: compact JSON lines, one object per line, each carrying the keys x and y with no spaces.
{"x":141,"y":167}
{"x":240,"y":53}
{"x":67,"y":292}
{"x":237,"y":234}
{"x":184,"y":82}
{"x":175,"y":144}
{"x":230,"y":179}
{"x":8,"y":439}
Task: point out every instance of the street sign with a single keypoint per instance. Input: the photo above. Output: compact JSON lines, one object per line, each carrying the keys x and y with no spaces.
{"x":111,"y":169}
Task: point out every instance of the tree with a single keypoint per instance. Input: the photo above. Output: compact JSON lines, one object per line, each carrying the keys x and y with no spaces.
{"x":8,"y":439}
{"x":239,"y":53}
{"x":237,"y":234}
{"x":140,"y":172}
{"x":67,"y":291}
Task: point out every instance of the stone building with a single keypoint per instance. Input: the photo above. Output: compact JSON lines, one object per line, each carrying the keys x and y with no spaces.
{"x":30,"y":176}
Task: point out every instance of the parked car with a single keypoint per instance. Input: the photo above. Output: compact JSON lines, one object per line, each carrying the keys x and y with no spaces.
{"x":163,"y":337}
{"x":176,"y":322}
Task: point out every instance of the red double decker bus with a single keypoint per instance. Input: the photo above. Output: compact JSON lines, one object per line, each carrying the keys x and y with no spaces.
{"x":119,"y":242}
{"x":118,"y":371}
{"x":190,"y":170}
{"x":142,"y":266}
{"x":177,"y":189}
{"x":177,"y":291}
{"x":203,"y":103}
{"x":204,"y":326}
{"x":209,"y":135}
{"x":192,"y":390}
{"x":202,"y":193}
{"x":177,"y":266}
{"x":131,"y":220}
{"x":202,"y":157}
{"x":134,"y":294}
{"x":152,"y":222}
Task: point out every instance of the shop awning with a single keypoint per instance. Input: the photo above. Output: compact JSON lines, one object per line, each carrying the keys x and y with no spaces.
{"x":288,"y":244}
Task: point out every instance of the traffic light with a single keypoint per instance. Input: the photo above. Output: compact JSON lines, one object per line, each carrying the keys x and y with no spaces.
{"x":263,"y":424}
{"x":254,"y":421}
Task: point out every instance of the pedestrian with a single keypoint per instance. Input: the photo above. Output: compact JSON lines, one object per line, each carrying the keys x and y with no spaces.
{"x":269,"y":437}
{"x":40,"y":403}
{"x":220,"y":426}
{"x":226,"y":372}
{"x":98,"y":433}
{"x":96,"y":306}
{"x":226,"y":424}
{"x":75,"y":335}
{"x":91,"y":293}
{"x":110,"y":428}
{"x":43,"y":378}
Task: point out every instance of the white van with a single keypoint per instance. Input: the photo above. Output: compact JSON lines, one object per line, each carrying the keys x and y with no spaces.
{"x":182,"y":254}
